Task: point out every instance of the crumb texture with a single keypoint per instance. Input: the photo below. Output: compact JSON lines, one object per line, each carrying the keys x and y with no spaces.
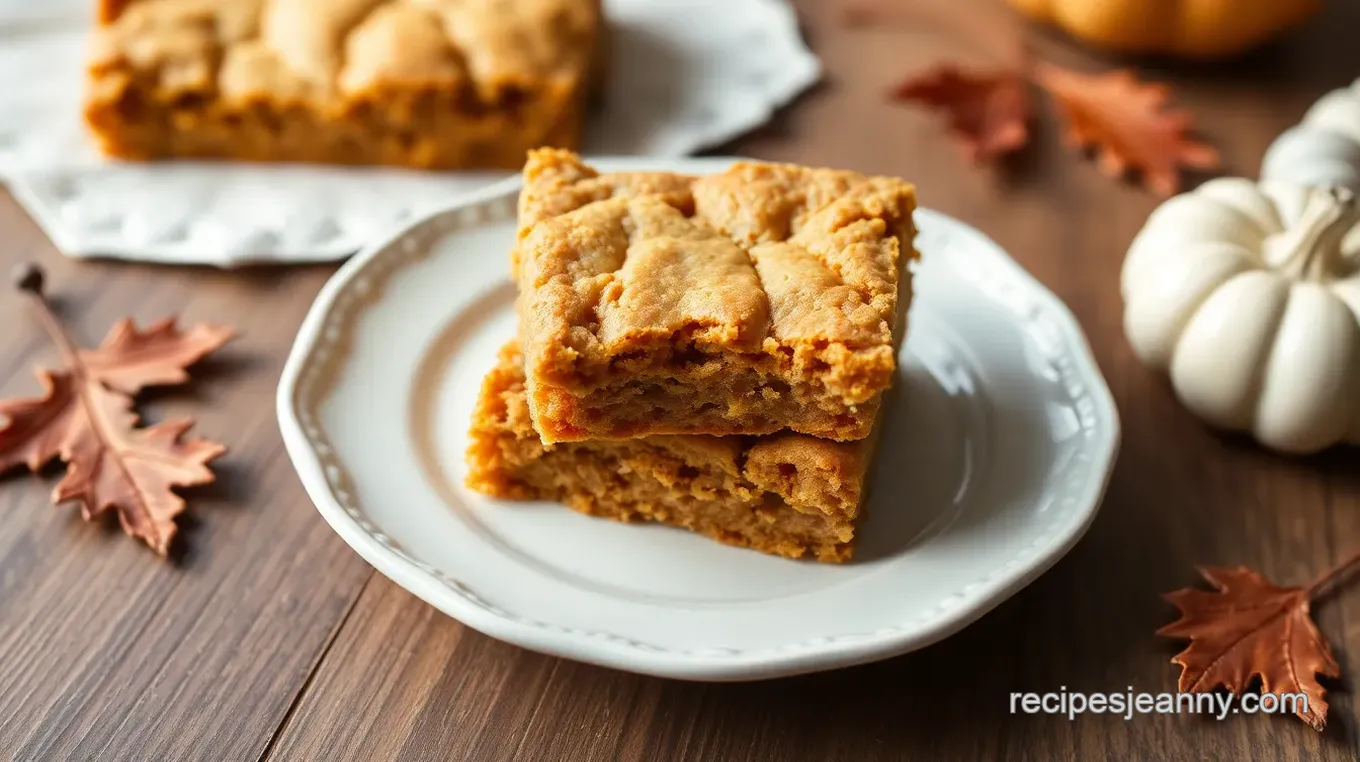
{"x":789,"y":495}
{"x":774,"y":292}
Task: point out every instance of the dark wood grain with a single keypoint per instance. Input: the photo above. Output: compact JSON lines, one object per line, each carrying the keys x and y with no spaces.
{"x":107,"y":652}
{"x":272,"y":640}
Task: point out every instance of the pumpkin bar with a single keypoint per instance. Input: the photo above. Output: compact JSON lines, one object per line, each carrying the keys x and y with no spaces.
{"x":788,"y":494}
{"x":417,"y":83}
{"x":763,"y":298}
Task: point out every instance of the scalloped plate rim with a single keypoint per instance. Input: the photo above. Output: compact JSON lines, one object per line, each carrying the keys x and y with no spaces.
{"x":619,"y":652}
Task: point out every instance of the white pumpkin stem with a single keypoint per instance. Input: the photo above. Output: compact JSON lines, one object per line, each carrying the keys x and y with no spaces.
{"x":1311,"y":248}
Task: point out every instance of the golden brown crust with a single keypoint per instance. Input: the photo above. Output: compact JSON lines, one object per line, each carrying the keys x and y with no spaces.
{"x":436,"y":83}
{"x":762,"y":298}
{"x":556,"y":182}
{"x":788,"y":494}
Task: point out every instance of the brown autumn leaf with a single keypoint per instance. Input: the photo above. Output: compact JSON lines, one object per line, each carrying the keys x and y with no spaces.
{"x":85,"y":418}
{"x":129,"y":360}
{"x":988,"y":111}
{"x":35,"y":428}
{"x":1247,"y":627}
{"x":1127,"y":122}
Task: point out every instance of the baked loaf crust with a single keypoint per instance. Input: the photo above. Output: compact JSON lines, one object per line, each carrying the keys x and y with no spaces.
{"x":789,"y":495}
{"x":418,"y":83}
{"x":764,"y":298}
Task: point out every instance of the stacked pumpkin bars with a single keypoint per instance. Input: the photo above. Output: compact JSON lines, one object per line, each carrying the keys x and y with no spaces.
{"x":712,"y":353}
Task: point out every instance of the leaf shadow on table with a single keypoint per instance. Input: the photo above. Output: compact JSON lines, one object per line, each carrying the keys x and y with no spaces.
{"x":231,"y":491}
{"x":210,"y":378}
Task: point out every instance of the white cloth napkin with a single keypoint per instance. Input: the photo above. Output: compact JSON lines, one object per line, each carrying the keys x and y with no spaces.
{"x":685,"y":75}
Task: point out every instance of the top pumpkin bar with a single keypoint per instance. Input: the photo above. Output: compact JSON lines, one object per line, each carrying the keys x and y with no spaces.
{"x":427,"y":83}
{"x":764,"y":298}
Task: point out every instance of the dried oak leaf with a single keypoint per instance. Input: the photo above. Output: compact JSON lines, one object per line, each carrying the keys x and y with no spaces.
{"x":1127,"y":122}
{"x":988,"y":111}
{"x":1247,"y":627}
{"x":85,"y":418}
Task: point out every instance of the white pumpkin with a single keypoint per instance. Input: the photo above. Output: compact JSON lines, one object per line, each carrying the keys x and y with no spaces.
{"x":1249,"y":296}
{"x":1324,"y":149}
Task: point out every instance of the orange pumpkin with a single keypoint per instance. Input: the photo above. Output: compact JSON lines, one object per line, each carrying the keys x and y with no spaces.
{"x":1198,"y":29}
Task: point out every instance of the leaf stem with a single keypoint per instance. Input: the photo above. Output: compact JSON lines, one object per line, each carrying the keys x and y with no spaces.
{"x":29,"y":278}
{"x":1327,"y":582}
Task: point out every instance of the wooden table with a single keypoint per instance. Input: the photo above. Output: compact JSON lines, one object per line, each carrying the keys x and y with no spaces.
{"x":270,"y":639}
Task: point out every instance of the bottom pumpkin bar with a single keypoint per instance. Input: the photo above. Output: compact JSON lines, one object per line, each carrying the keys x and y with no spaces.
{"x":786,"y":494}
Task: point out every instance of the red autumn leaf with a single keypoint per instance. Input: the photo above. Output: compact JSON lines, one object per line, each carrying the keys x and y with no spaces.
{"x":85,"y":418}
{"x":1127,"y":122}
{"x":1248,"y":627}
{"x":988,"y":111}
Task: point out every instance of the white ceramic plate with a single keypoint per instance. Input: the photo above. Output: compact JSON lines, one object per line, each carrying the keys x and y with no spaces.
{"x":990,"y":471}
